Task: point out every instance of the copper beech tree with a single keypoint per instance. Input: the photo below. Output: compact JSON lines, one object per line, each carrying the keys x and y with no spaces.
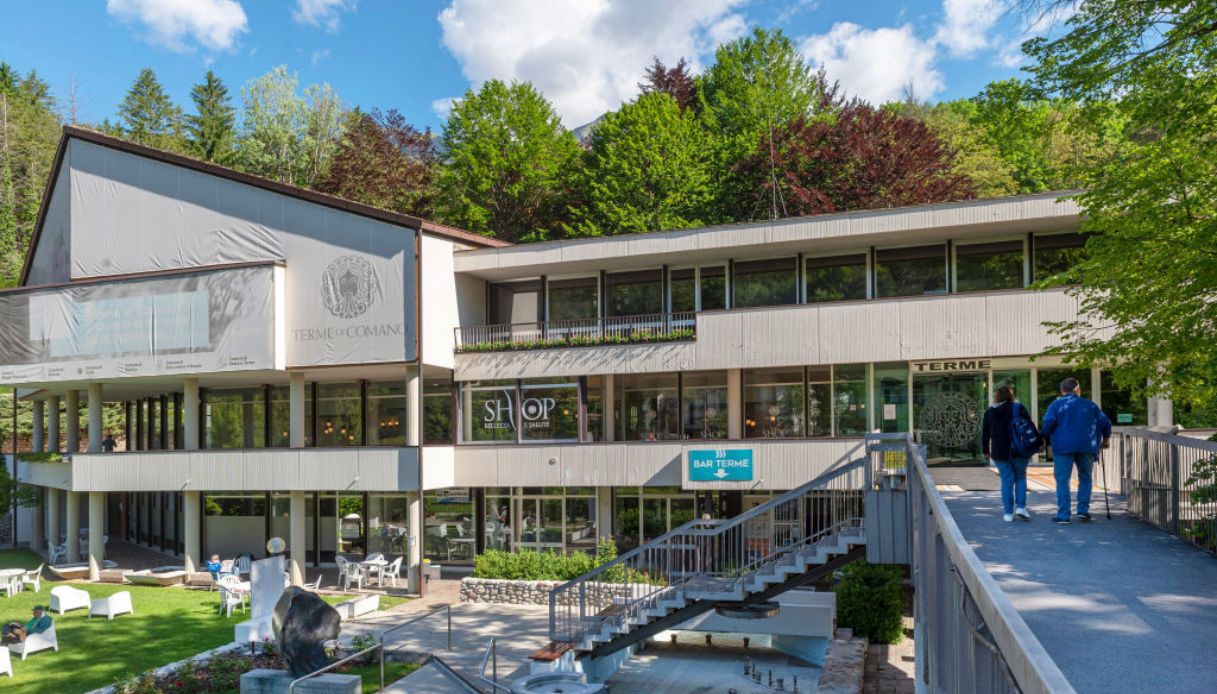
{"x":385,"y":162}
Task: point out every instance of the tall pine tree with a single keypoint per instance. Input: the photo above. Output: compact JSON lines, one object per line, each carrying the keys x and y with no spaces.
{"x":212,"y":130}
{"x":149,"y":116}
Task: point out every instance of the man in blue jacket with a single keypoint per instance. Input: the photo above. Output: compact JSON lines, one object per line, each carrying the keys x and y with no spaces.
{"x":1075,"y":428}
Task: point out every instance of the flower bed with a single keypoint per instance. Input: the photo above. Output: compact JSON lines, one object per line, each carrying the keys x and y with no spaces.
{"x":638,"y":337}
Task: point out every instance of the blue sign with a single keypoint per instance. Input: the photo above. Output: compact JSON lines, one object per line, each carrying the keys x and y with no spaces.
{"x":721,"y":465}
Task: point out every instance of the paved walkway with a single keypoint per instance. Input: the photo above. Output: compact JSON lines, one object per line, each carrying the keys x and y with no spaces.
{"x":1120,"y":606}
{"x":890,"y":669}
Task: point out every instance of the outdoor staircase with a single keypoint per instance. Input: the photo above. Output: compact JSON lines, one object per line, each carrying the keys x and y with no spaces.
{"x":737,"y":563}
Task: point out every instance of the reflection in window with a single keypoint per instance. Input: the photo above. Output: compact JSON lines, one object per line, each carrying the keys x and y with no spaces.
{"x":388,"y":524}
{"x":849,"y":400}
{"x":765,"y":282}
{"x":387,"y":413}
{"x":549,"y":410}
{"x":911,"y":271}
{"x":498,"y":525}
{"x":234,"y":418}
{"x":488,"y":408}
{"x":437,"y":409}
{"x":595,"y":408}
{"x":647,"y":407}
{"x":713,"y":287}
{"x":1049,"y":384}
{"x":1119,"y":404}
{"x":704,"y":401}
{"x":984,"y":266}
{"x":633,"y":293}
{"x":1056,"y":253}
{"x":640,"y":515}
{"x":448,"y":529}
{"x":683,"y":283}
{"x":338,"y":415}
{"x":773,"y":403}
{"x":573,"y":299}
{"x":281,"y":418}
{"x":819,"y":401}
{"x":892,"y":397}
{"x":836,"y":278}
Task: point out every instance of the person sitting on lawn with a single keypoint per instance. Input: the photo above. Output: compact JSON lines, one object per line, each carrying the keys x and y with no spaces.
{"x":15,"y":632}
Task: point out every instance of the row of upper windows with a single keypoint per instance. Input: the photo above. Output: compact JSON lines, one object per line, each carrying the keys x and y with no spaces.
{"x":865,"y":274}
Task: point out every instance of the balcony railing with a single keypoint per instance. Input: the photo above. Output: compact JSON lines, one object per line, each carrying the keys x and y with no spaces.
{"x":617,"y":330}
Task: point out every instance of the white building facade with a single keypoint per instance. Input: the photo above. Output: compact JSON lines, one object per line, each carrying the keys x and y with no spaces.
{"x":287,"y":364}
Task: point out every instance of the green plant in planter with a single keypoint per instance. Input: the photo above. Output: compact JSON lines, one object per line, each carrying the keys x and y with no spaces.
{"x":870,"y":600}
{"x":43,"y":457}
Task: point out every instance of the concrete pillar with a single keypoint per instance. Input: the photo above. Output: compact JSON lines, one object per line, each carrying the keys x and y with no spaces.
{"x":52,"y":421}
{"x":414,"y":398}
{"x":191,"y":537}
{"x":1164,"y":410}
{"x":604,"y":512}
{"x":735,"y":404}
{"x":298,"y":536}
{"x":97,"y":528}
{"x":610,"y":408}
{"x":414,"y":553}
{"x":72,"y":531}
{"x":52,"y":516}
{"x":95,"y":406}
{"x":37,"y":520}
{"x":72,"y":420}
{"x":295,"y":406}
{"x":190,"y":414}
{"x":39,"y":442}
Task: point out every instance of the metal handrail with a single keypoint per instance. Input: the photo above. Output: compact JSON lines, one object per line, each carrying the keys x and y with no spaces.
{"x":1166,"y":481}
{"x":291,"y":687}
{"x":557,"y":332}
{"x":443,"y":665}
{"x":492,"y":656}
{"x":407,"y":623}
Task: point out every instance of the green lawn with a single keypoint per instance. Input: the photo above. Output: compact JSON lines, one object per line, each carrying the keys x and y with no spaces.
{"x":169,"y":624}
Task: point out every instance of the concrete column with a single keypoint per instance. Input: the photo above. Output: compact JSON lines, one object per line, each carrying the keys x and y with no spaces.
{"x":414,"y":553}
{"x":95,"y":406}
{"x":52,"y":421}
{"x":604,"y":512}
{"x":191,"y":537}
{"x":610,"y":408}
{"x":72,"y":420}
{"x":97,"y":528}
{"x":414,"y":398}
{"x":735,"y":404}
{"x":72,"y":531}
{"x":52,"y":516}
{"x":190,"y":414}
{"x":1164,"y":410}
{"x":39,"y":442}
{"x":298,"y":536}
{"x":37,"y":520}
{"x":295,"y":406}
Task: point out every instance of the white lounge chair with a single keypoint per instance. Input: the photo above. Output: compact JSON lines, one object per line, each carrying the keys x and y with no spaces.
{"x":36,"y":642}
{"x":6,"y":663}
{"x":65,"y":598}
{"x":392,"y":571}
{"x":111,"y":607}
{"x":33,"y":578}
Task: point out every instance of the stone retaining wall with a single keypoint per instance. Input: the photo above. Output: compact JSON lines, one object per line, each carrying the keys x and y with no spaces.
{"x":493,"y":590}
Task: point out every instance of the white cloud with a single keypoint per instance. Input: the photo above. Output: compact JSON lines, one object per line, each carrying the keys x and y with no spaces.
{"x":586,"y":57}
{"x":180,"y":25}
{"x":876,"y":64}
{"x":318,"y":56}
{"x":322,"y":13}
{"x":442,"y":107}
{"x":966,"y":24}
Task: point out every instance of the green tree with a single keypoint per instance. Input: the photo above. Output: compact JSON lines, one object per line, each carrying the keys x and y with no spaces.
{"x":647,"y":169}
{"x":1149,"y":281}
{"x":29,"y":134}
{"x":508,"y":163}
{"x":974,"y":156}
{"x":288,"y":137}
{"x":212,"y":128}
{"x":149,"y":116}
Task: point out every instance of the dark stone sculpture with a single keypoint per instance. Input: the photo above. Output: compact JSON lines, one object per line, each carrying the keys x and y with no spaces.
{"x":303,"y":623}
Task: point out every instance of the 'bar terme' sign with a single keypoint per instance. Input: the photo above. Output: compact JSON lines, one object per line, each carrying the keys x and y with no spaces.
{"x":720,"y":465}
{"x":951,"y":365}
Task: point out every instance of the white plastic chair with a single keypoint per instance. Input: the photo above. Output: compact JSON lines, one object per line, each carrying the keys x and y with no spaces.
{"x":58,"y":553}
{"x":6,"y":663}
{"x":111,"y":607}
{"x":375,"y":555}
{"x":11,"y":586}
{"x":392,"y":571}
{"x":315,"y":585}
{"x":65,"y":598}
{"x":36,"y":642}
{"x":230,"y":595}
{"x":33,"y":578}
{"x":348,"y":573}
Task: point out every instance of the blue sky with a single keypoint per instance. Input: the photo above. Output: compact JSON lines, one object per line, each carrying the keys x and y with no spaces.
{"x":416,"y":55}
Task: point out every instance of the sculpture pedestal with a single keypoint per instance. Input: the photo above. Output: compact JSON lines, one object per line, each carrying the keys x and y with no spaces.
{"x":264,"y":681}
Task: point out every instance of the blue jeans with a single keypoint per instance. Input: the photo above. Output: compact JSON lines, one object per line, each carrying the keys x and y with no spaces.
{"x":1013,"y":482}
{"x":1063,"y":464}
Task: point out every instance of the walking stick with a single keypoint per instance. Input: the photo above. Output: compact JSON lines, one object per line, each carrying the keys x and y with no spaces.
{"x":1103,"y":469}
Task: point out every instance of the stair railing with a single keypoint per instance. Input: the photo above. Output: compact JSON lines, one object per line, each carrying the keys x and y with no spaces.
{"x":708,"y":558}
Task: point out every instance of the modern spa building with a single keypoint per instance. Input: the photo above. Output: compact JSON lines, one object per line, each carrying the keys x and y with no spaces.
{"x":287,"y":364}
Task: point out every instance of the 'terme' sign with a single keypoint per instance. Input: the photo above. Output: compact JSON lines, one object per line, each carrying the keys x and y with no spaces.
{"x":951,"y":365}
{"x":720,"y":465}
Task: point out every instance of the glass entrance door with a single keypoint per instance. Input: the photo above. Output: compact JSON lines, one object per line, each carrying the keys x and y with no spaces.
{"x":948,"y":410}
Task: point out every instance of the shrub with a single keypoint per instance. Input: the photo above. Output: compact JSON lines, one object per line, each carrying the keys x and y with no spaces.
{"x":870,"y":601}
{"x":531,"y":565}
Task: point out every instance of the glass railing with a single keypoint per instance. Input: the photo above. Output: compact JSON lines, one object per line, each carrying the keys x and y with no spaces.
{"x":616,"y":330}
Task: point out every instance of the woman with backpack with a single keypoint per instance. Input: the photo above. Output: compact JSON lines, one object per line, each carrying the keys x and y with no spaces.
{"x":1010,"y":439}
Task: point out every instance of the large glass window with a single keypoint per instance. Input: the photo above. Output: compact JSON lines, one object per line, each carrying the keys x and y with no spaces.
{"x":819,"y":401}
{"x":573,"y":299}
{"x":647,"y":407}
{"x":1049,"y":384}
{"x":1120,"y":406}
{"x":713,"y":281}
{"x":1019,"y":380}
{"x":498,"y":527}
{"x":387,"y":413}
{"x":234,"y":418}
{"x":683,"y":288}
{"x":388,"y":524}
{"x":338,"y":415}
{"x":704,"y":401}
{"x":1056,"y":253}
{"x":448,"y":532}
{"x":646,"y":513}
{"x":595,"y":408}
{"x":892,"y":397}
{"x":773,"y":403}
{"x":765,"y":282}
{"x":549,"y":410}
{"x":983,"y":266}
{"x":849,"y":400}
{"x":911,"y":271}
{"x":836,"y":278}
{"x":489,"y":411}
{"x":281,"y":418}
{"x":633,"y":293}
{"x":437,"y":409}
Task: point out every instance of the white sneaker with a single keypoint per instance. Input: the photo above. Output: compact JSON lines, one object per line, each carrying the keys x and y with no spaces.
{"x":1007,"y":517}
{"x":1021,"y":512}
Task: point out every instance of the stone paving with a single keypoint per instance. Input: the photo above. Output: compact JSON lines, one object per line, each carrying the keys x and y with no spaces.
{"x":890,"y":669}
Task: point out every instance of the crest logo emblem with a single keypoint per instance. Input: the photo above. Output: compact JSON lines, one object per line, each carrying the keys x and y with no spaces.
{"x":348,"y":286}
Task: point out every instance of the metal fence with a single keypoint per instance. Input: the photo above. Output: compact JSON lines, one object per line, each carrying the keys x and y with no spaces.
{"x":1170,"y":482}
{"x":969,"y":637}
{"x":655,"y":327}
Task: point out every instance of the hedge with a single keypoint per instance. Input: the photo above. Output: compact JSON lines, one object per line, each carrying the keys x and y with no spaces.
{"x":531,"y":565}
{"x":870,"y":600}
